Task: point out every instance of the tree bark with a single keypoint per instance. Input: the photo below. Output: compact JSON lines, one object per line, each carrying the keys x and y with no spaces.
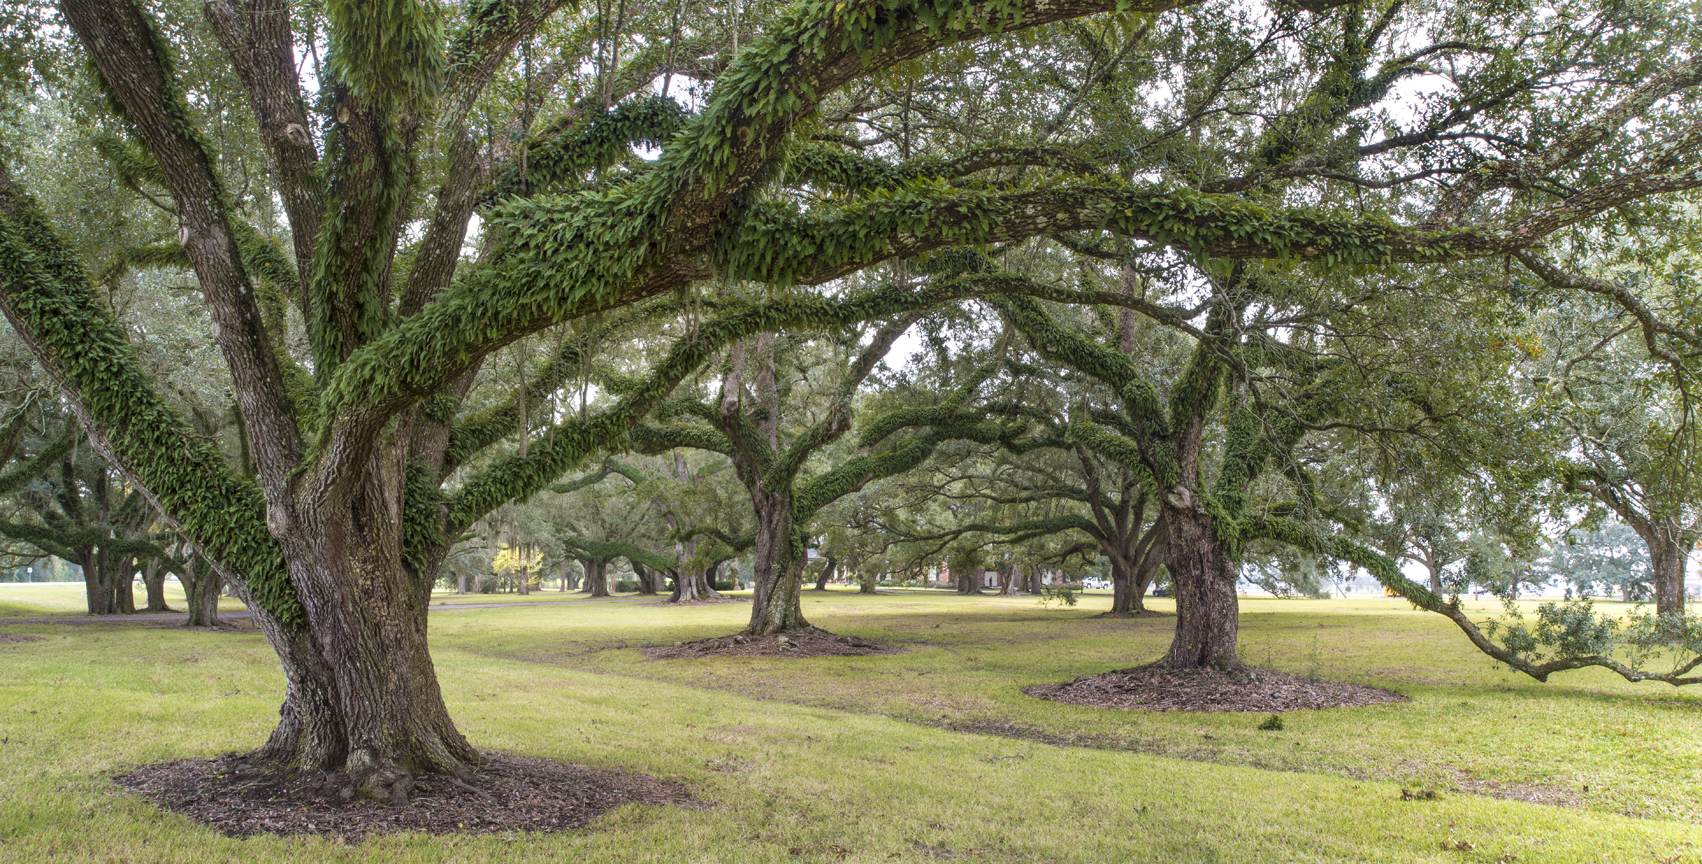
{"x":868,"y":579}
{"x":153,"y":578}
{"x":969,"y":581}
{"x":597,"y":578}
{"x":1206,"y":605}
{"x":1124,"y":600}
{"x":826,"y":573}
{"x":1147,"y":572}
{"x":1667,"y":557}
{"x":99,"y":594}
{"x":648,"y":580}
{"x":121,"y":575}
{"x":777,"y":570}
{"x":694,"y":585}
{"x":201,"y":585}
{"x":362,"y":653}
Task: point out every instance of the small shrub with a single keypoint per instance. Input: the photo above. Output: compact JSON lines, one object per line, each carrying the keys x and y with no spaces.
{"x":1063,"y":595}
{"x":1273,"y":723}
{"x":626,"y":585}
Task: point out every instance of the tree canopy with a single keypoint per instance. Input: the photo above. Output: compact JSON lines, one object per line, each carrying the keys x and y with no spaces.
{"x":1228,"y":239}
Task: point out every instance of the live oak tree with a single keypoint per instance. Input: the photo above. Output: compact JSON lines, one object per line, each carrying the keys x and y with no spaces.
{"x":753,"y":420}
{"x":1049,"y":486}
{"x":74,"y":507}
{"x":1609,"y":560}
{"x":357,"y":440}
{"x":1628,"y":436}
{"x":600,"y":518}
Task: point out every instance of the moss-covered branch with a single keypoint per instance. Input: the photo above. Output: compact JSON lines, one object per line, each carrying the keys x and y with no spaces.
{"x":648,"y":121}
{"x":47,"y":298}
{"x":597,"y":550}
{"x":1580,"y":638}
{"x":38,"y":464}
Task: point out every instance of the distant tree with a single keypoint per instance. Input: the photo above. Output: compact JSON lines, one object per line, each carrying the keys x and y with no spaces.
{"x":1606,"y":561}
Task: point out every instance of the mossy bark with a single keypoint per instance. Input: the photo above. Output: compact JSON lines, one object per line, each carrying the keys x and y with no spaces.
{"x":596,"y":578}
{"x":1207,"y":608}
{"x":694,"y":585}
{"x":201,"y":585}
{"x":363,"y":693}
{"x":1667,"y":558}
{"x":153,"y":579}
{"x":777,"y":569}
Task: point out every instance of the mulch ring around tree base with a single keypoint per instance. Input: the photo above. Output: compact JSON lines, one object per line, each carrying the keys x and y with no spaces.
{"x":10,"y":638}
{"x":240,"y":798}
{"x":1158,"y":688}
{"x":796,"y":643}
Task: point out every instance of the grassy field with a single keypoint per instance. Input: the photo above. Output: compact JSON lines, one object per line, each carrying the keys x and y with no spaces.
{"x":67,"y":599}
{"x":931,"y":754}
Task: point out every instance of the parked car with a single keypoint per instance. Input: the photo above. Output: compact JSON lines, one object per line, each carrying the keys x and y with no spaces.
{"x":1095,"y":584}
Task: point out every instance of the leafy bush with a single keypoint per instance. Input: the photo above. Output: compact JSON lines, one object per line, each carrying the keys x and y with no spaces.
{"x":1063,"y":595}
{"x":1574,"y":629}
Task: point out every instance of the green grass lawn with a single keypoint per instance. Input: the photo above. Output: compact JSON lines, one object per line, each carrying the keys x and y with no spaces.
{"x":868,"y":759}
{"x":68,"y":599}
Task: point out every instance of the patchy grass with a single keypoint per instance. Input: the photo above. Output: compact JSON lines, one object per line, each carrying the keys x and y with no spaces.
{"x":845,"y":759}
{"x":68,"y":599}
{"x":1471,"y":725}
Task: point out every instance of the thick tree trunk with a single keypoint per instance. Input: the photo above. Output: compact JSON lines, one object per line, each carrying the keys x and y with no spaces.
{"x":153,"y":578}
{"x":867,"y":580}
{"x":1033,"y":580}
{"x":95,"y":588}
{"x":1667,"y":557}
{"x":121,"y":575}
{"x":363,"y":692}
{"x":1124,"y":599}
{"x":597,"y":578}
{"x":694,"y":585}
{"x":201,"y":585}
{"x":969,"y":580}
{"x":648,"y":580}
{"x":1206,"y":605}
{"x":1008,"y":579}
{"x":826,"y":574}
{"x":777,"y":571}
{"x":460,"y":583}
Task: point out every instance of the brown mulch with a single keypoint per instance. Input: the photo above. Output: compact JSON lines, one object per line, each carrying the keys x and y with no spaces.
{"x":1157,"y":688}
{"x":240,"y":798}
{"x":10,"y":638}
{"x":801,"y":643}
